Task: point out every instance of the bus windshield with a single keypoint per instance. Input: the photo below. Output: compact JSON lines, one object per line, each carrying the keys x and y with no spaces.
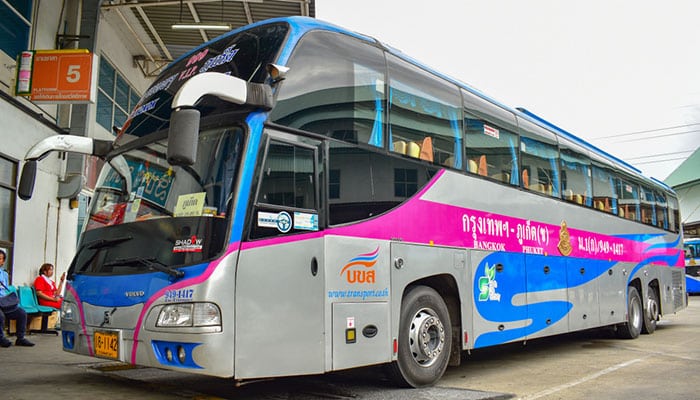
{"x":182,"y":212}
{"x":692,"y":249}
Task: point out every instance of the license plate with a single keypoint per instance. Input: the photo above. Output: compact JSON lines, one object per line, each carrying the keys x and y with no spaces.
{"x":106,"y":344}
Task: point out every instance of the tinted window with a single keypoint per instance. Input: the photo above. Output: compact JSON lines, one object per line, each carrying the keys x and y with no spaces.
{"x":365,"y":186}
{"x":288,"y":177}
{"x":424,"y":114}
{"x":491,"y":140}
{"x":335,"y":87}
{"x":661,"y":210}
{"x":540,"y":159}
{"x":674,"y":218}
{"x":647,"y":205}
{"x":604,"y":189}
{"x":287,"y":194}
{"x":576,"y":183}
{"x":628,"y":199}
{"x":491,"y":150}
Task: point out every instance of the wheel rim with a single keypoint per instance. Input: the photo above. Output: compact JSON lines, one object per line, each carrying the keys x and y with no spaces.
{"x":426,"y":337}
{"x":636,"y":313}
{"x":653,"y":308}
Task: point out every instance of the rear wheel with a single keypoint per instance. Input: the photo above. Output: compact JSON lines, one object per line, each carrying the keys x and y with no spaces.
{"x":633,"y":327}
{"x":651,"y":311}
{"x":425,"y":337}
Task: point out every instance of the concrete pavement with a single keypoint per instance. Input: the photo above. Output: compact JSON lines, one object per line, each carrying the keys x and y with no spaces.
{"x":46,"y":371}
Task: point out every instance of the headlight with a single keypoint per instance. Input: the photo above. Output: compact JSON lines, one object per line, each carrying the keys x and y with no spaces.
{"x":189,"y":314}
{"x":68,"y":312}
{"x":206,"y":314}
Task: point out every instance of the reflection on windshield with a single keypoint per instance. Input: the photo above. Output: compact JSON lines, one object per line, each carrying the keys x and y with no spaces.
{"x":170,"y":217}
{"x":159,"y":190}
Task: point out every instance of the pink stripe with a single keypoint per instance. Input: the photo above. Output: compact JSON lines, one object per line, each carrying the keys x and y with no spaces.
{"x":83,"y":325}
{"x":358,"y":229}
{"x":374,"y":253}
{"x":177,"y":285}
{"x":424,"y":221}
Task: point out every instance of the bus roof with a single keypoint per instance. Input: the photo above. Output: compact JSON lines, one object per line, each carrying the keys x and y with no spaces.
{"x":300,"y":25}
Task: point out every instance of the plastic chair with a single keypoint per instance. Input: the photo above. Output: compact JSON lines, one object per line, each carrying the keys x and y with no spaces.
{"x":28,"y":301}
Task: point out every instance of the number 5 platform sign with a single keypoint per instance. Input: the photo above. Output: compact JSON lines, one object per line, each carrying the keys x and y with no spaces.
{"x":57,"y":76}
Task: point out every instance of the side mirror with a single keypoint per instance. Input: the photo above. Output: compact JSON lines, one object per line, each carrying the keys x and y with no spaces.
{"x":26,"y":180}
{"x":183,"y":136}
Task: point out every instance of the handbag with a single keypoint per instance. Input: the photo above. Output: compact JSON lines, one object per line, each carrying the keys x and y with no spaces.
{"x":9,"y":302}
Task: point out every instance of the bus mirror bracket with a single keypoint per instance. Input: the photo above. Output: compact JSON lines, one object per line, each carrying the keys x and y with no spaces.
{"x":184,"y":120}
{"x":66,"y":143}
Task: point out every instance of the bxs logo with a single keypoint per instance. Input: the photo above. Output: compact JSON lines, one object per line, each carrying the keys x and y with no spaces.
{"x":363,"y":274}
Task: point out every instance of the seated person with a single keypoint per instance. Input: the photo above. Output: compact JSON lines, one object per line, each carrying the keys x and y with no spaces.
{"x":18,"y":314}
{"x":46,"y":291}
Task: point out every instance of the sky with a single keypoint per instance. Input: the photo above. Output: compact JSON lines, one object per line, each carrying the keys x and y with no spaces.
{"x":623,"y":75}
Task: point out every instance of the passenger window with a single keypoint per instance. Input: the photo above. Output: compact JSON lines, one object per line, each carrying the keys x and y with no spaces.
{"x":661,"y":211}
{"x":604,"y":190}
{"x":576,"y":184}
{"x":425,"y":115}
{"x":674,"y":218}
{"x":364,"y":180}
{"x":335,"y":87}
{"x":540,"y":170}
{"x":491,"y":151}
{"x":648,"y":206}
{"x":628,"y":199}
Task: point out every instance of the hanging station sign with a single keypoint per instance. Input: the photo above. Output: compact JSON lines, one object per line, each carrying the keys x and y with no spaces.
{"x":57,"y":76}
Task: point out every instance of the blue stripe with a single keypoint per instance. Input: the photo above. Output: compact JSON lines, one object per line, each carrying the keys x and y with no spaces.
{"x":255,"y":123}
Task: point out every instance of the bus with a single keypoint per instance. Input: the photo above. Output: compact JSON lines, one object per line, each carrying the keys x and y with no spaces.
{"x":294,"y":198}
{"x":691,"y":246}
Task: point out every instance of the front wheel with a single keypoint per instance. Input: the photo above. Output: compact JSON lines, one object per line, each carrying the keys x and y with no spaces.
{"x":425,"y":339}
{"x":651,"y":311}
{"x":633,"y":327}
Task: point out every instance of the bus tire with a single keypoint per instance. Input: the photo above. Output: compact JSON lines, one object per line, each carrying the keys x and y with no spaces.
{"x":425,"y":339}
{"x":635,"y":316}
{"x":651,"y":311}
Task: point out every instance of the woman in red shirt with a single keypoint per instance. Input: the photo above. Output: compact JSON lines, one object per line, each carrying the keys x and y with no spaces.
{"x":46,"y":291}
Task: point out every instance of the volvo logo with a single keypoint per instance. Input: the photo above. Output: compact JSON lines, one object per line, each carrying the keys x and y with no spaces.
{"x":138,"y":293}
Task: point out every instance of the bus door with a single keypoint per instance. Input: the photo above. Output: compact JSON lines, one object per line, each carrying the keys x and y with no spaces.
{"x":279,"y":315}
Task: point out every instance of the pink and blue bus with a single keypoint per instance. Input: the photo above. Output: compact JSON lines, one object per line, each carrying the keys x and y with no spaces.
{"x":691,"y":246}
{"x":295,"y":198}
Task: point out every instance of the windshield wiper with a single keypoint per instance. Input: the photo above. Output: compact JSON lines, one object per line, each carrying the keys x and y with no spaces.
{"x":93,"y":245}
{"x":150,"y":263}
